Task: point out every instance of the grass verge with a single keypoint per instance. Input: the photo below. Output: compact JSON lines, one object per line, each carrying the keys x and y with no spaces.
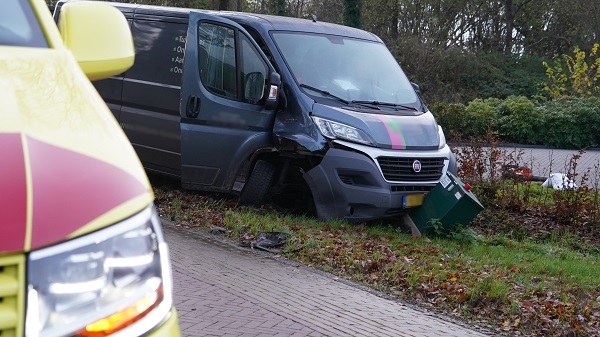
{"x":526,"y":265}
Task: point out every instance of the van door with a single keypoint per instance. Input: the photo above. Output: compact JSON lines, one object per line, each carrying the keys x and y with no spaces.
{"x":223,"y":115}
{"x":151,"y":89}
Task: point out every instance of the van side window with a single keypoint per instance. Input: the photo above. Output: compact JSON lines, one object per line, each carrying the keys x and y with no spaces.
{"x":160,"y":38}
{"x":263,"y":46}
{"x":254,"y":72}
{"x":216,"y":59}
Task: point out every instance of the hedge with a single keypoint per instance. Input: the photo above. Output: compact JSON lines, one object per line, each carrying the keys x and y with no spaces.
{"x":571,"y":123}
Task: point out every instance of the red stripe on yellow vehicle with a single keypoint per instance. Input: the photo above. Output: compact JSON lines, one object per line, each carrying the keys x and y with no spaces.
{"x":13,"y":193}
{"x":77,"y":171}
{"x":44,"y":102}
{"x":67,"y":197}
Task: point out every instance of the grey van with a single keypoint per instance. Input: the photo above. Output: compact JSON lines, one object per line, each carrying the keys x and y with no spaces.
{"x":311,"y":115}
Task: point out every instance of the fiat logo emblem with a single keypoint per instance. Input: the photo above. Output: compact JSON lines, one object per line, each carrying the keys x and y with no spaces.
{"x":416,"y":166}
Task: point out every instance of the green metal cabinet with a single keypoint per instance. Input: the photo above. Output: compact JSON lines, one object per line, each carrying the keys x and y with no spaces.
{"x":450,"y":202}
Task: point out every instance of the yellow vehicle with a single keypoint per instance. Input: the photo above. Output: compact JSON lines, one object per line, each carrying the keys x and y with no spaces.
{"x":82,"y":251}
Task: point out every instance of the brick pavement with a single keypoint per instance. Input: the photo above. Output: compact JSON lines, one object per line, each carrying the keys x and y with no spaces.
{"x":224,"y":290}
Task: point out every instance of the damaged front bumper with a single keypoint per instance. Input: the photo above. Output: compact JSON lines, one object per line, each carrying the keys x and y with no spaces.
{"x":353,"y":185}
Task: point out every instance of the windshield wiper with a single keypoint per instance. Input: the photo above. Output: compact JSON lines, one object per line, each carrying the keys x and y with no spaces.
{"x":376,"y":104}
{"x":324,"y":93}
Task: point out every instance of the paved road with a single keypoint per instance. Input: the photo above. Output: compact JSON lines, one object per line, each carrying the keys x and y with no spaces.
{"x":224,"y":290}
{"x":543,"y":161}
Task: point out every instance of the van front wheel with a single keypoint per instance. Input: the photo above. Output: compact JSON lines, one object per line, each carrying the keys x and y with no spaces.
{"x":258,"y":184}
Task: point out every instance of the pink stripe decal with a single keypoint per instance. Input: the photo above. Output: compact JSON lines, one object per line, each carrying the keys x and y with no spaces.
{"x":13,"y":194}
{"x":71,"y":189}
{"x":394,"y":131}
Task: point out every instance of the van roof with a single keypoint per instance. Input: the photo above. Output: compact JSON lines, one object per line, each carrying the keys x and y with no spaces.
{"x":283,"y":23}
{"x":267,"y":22}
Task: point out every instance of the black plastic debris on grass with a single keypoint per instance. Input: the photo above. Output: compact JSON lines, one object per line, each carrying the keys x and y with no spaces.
{"x":217,"y":229}
{"x":272,"y":242}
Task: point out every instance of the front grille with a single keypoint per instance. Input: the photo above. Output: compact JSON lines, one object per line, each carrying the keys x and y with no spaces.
{"x":395,"y":188}
{"x":401,"y":169}
{"x":12,"y":295}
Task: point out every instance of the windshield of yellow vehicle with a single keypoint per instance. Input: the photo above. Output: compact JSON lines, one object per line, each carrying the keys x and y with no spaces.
{"x":348,"y":68}
{"x":18,"y":25}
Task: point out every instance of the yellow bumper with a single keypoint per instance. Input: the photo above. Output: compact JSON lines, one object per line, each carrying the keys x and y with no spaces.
{"x":170,"y":328}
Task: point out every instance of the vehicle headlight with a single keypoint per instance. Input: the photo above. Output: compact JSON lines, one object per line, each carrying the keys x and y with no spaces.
{"x":442,"y":137}
{"x":116,"y":280}
{"x":335,"y":130}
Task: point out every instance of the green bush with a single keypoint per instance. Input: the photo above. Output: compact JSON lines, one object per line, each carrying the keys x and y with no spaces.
{"x":482,"y":114}
{"x":571,"y":123}
{"x":520,"y":120}
{"x":452,"y":118}
{"x":568,"y":122}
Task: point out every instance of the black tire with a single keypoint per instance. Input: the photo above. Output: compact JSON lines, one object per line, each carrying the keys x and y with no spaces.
{"x":256,"y":189}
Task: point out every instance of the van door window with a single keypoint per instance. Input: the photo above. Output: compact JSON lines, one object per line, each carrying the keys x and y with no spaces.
{"x":254,"y":72}
{"x":216,"y":59}
{"x":222,"y":63}
{"x":262,"y":45}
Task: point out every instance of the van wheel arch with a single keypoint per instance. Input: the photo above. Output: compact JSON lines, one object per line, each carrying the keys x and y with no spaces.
{"x":256,"y":188}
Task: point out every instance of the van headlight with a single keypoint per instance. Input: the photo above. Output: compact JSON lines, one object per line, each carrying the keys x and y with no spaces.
{"x":335,"y":130}
{"x":116,"y":280}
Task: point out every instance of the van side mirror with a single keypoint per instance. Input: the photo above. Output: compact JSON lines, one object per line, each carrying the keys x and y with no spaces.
{"x":254,"y":86}
{"x":273,"y":86}
{"x":416,"y":87}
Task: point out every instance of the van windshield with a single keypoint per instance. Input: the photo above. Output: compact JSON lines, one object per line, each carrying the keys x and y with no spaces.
{"x":351,"y":69}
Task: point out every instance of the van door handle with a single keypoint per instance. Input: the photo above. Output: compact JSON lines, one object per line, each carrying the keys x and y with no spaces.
{"x":193,"y":106}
